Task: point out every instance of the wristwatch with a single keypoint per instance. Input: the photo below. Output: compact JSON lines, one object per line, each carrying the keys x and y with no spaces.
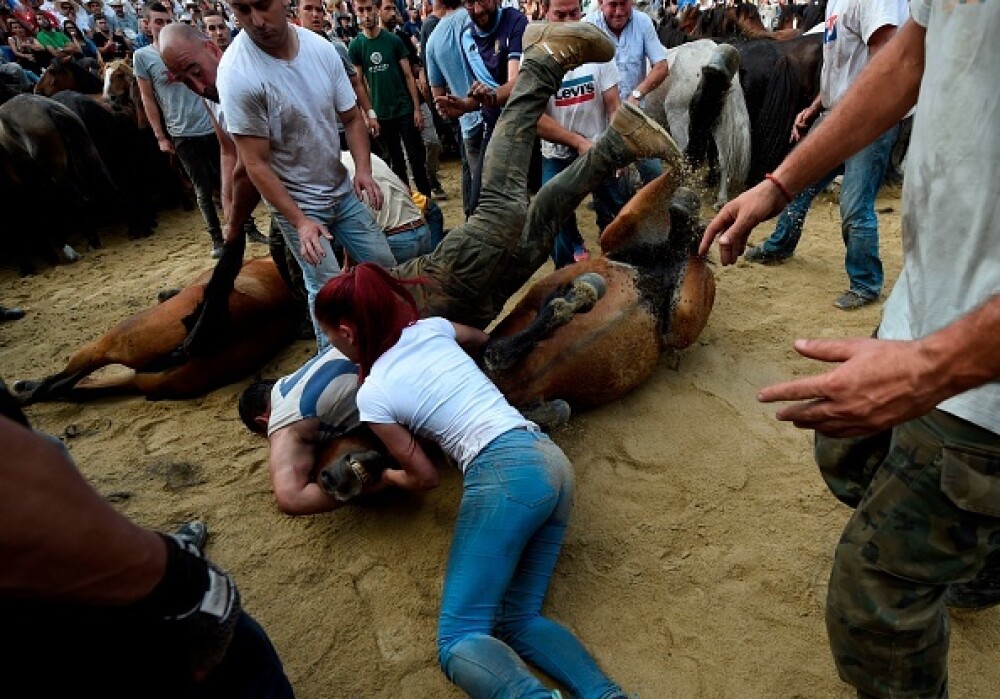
{"x":372,"y":114}
{"x":638,"y":95}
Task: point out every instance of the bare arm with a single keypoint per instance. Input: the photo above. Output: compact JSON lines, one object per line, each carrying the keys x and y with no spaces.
{"x":152,"y":110}
{"x":611,"y":101}
{"x":239,"y":196}
{"x":550,"y":130}
{"x":472,"y":340}
{"x":881,"y":383}
{"x":59,"y":539}
{"x":418,"y":472}
{"x":292,"y":463}
{"x":879,"y":98}
{"x":657,"y":74}
{"x":356,"y":134}
{"x":411,"y":87}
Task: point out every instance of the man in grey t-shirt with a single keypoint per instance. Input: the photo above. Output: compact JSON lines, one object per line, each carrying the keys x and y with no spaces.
{"x":189,"y":132}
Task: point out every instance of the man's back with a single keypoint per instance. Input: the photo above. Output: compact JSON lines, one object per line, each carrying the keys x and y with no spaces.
{"x":294,"y":104}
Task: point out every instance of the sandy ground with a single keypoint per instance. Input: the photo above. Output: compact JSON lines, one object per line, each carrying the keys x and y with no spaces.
{"x":701,"y":541}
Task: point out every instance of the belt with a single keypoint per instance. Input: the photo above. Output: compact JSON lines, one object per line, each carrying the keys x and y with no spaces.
{"x":406,"y":227}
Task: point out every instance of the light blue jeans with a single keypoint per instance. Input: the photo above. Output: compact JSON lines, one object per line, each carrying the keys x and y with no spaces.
{"x":863,"y":176}
{"x":515,"y":508}
{"x":354,"y":227}
{"x":405,"y":246}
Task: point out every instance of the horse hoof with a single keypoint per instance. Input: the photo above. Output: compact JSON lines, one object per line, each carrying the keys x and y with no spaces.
{"x":548,"y":415}
{"x":595,"y":281}
{"x":26,"y":385}
{"x":167,"y":294}
{"x":11,"y":313}
{"x":584,"y":292}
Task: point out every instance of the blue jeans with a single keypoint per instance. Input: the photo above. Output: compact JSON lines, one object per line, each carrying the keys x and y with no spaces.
{"x":515,"y":508}
{"x":863,"y":175}
{"x":409,"y":244}
{"x":354,"y":227}
{"x":608,"y":201}
{"x":649,"y":169}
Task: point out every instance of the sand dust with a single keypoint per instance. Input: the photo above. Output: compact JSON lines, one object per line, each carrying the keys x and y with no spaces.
{"x":701,"y":541}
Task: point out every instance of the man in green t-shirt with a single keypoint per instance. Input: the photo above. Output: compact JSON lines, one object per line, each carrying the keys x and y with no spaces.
{"x":381,"y":56}
{"x":54,"y":41}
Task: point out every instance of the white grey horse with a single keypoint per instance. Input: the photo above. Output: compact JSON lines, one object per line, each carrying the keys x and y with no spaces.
{"x":671,"y":104}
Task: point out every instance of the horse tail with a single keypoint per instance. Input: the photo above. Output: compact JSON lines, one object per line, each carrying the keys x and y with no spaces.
{"x":771,"y":129}
{"x":704,"y":111}
{"x":732,"y":140}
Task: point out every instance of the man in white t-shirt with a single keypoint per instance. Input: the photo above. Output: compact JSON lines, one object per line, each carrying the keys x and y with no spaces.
{"x":283,"y":89}
{"x":855,"y":31}
{"x":583,"y":107}
{"x":926,"y":485}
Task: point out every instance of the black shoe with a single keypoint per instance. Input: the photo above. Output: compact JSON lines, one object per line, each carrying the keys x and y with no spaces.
{"x":851,"y":300}
{"x":764,"y":257}
{"x":193,"y":533}
{"x":11,"y":313}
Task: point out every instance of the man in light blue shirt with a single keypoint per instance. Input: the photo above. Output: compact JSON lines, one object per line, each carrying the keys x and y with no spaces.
{"x":448,"y":72}
{"x":636,"y":43}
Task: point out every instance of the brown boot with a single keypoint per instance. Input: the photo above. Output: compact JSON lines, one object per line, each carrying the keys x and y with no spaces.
{"x":571,"y":43}
{"x":644,"y":137}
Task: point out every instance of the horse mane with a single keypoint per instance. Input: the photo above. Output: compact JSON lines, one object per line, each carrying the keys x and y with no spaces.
{"x":778,"y":108}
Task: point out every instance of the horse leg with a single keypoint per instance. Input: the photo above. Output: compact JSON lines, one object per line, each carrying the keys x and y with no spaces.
{"x":579,"y":297}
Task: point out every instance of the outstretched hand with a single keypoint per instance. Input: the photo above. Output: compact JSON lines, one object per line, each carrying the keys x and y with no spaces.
{"x":880,"y":383}
{"x":732,"y":225}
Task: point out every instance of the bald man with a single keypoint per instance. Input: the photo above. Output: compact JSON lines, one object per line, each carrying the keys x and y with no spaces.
{"x":193,"y":58}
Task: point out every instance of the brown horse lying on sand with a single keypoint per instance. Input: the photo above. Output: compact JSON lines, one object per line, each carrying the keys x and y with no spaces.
{"x":263,"y":318}
{"x":587,"y":333}
{"x":607,"y":319}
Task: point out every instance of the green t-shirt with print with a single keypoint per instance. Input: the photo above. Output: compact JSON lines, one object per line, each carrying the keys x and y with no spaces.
{"x":379,"y":61}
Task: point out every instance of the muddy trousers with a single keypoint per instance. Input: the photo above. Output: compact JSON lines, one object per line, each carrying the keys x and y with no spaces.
{"x":474,"y":254}
{"x":481,"y":263}
{"x":925,"y":536}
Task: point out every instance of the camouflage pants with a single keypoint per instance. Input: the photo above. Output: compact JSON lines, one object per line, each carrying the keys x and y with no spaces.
{"x":925,"y":535}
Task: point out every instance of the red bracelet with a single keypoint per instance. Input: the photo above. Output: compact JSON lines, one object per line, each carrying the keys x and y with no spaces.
{"x":781,"y":188}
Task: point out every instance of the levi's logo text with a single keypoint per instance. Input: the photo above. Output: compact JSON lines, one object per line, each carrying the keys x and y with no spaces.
{"x":576,"y":91}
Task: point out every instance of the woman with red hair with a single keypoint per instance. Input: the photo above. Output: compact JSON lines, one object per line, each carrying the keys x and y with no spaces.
{"x":416,"y":381}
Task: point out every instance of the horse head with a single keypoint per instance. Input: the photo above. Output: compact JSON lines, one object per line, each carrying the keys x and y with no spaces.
{"x":66,"y":74}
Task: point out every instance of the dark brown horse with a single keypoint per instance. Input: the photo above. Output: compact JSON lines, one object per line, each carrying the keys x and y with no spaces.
{"x":50,"y":172}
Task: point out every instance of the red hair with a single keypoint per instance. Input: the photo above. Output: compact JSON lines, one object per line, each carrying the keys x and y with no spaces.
{"x":374,"y":302}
